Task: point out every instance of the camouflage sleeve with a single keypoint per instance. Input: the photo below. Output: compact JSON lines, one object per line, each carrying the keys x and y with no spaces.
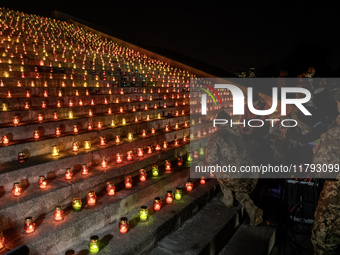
{"x":213,"y":155}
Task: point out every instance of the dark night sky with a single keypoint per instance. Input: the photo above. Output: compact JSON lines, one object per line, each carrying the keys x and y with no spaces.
{"x":232,"y":35}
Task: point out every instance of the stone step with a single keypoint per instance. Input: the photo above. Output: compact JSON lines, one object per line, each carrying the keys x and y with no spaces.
{"x":249,"y":240}
{"x":142,"y":236}
{"x":51,"y":237}
{"x":36,"y":201}
{"x":205,"y":233}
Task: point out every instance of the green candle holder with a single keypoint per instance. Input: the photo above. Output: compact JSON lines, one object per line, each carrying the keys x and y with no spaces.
{"x":94,"y":245}
{"x":143,"y":213}
{"x":178,"y":194}
{"x":76,"y":204}
{"x":155,"y":170}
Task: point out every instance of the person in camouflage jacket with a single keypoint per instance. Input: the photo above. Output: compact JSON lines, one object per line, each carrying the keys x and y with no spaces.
{"x":326,"y":227}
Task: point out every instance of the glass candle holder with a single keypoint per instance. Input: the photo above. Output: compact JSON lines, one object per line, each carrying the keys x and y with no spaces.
{"x":70,"y":114}
{"x":143,"y":213}
{"x":102,"y":141}
{"x":76,"y":204}
{"x":129,"y":155}
{"x":17,"y":189}
{"x":42,"y":182}
{"x":117,"y":140}
{"x":104,"y":163}
{"x":5,"y":140}
{"x":201,"y":151}
{"x":119,"y":158}
{"x":57,"y":131}
{"x":68,"y":174}
{"x":157,"y":204}
{"x":176,"y":143}
{"x":155,"y":170}
{"x":169,"y":197}
{"x":29,"y":225}
{"x":157,"y":147}
{"x":178,"y":194}
{"x":142,"y":175}
{"x":130,"y":136}
{"x":2,"y":240}
{"x":134,"y":109}
{"x":89,"y":126}
{"x":84,"y":169}
{"x":75,"y":147}
{"x":123,"y":121}
{"x":128,"y":181}
{"x":16,"y":120}
{"x":189,"y":185}
{"x":55,"y":116}
{"x":91,"y":198}
{"x":21,"y":157}
{"x":123,"y":225}
{"x":55,"y":150}
{"x":94,"y":245}
{"x":153,"y":131}
{"x":149,"y":149}
{"x":196,"y":154}
{"x":87,"y":145}
{"x":179,"y":161}
{"x":203,"y":180}
{"x":58,"y":213}
{"x":110,"y":188}
{"x":165,"y":144}
{"x":140,"y":152}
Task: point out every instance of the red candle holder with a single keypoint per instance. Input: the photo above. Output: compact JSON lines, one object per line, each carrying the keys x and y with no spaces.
{"x":176,"y":143}
{"x":184,"y":139}
{"x":121,"y":110}
{"x":121,"y":92}
{"x":75,"y":147}
{"x":91,"y":198}
{"x":40,"y":117}
{"x":153,"y":131}
{"x":89,"y":126}
{"x":157,"y":204}
{"x":17,"y":189}
{"x":165,"y":144}
{"x":5,"y":140}
{"x":102,"y":141}
{"x":164,"y":106}
{"x":109,"y":111}
{"x":196,"y":154}
{"x":58,"y":213}
{"x":84,"y":169}
{"x":16,"y":120}
{"x":75,"y":129}
{"x":90,"y":113}
{"x":58,"y":104}
{"x":81,"y":102}
{"x":189,"y":185}
{"x":136,"y":119}
{"x":42,"y":182}
{"x":57,"y":131}
{"x":68,"y":174}
{"x":169,"y":197}
{"x":145,"y":107}
{"x":166,"y":128}
{"x":155,"y":107}
{"x":203,"y":180}
{"x":140,"y":152}
{"x":158,"y":147}
{"x":28,"y":93}
{"x":21,"y":157}
{"x":99,"y":125}
{"x":92,"y":102}
{"x":36,"y":135}
{"x":129,"y":155}
{"x":27,"y":105}
{"x":133,"y":108}
{"x":70,"y":103}
{"x":179,"y":161}
{"x":110,"y":188}
{"x":119,"y":158}
{"x":142,"y":175}
{"x":104,"y":163}
{"x":29,"y":225}
{"x":9,"y":94}
{"x":105,"y":101}
{"x":149,"y":149}
{"x":117,"y":139}
{"x":55,"y":116}
{"x":128,"y":181}
{"x":167,"y":165}
{"x":2,"y":240}
{"x":123,"y":225}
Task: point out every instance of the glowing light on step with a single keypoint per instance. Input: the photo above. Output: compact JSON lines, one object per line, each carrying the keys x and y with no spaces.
{"x":104,"y":163}
{"x":140,"y":152}
{"x":123,"y":121}
{"x":155,"y":170}
{"x":89,"y":126}
{"x":55,"y":150}
{"x":110,"y":188}
{"x":123,"y":225}
{"x":121,"y":110}
{"x":99,"y":125}
{"x":55,"y":116}
{"x":178,"y":194}
{"x":158,"y":115}
{"x":142,"y":175}
{"x":87,"y":145}
{"x":29,"y":225}
{"x":91,"y":198}
{"x":2,"y":240}
{"x":68,"y":174}
{"x":75,"y":147}
{"x":157,"y":204}
{"x":202,"y":181}
{"x":76,"y":204}
{"x":128,"y":181}
{"x":189,"y":185}
{"x":17,"y":189}
{"x":169,"y":197}
{"x":153,"y":131}
{"x":167,"y":165}
{"x":130,"y":136}
{"x":16,"y":120}
{"x":58,"y":213}
{"x":94,"y":245}
{"x":149,"y":149}
{"x":143,"y":213}
{"x":84,"y":169}
{"x":42,"y":182}
{"x":21,"y":157}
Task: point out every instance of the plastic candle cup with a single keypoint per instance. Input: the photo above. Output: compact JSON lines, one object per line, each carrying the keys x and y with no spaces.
{"x":42,"y":182}
{"x":91,"y":198}
{"x":169,"y":197}
{"x":134,"y":109}
{"x":178,"y":194}
{"x":29,"y":225}
{"x":76,"y":204}
{"x":155,"y":170}
{"x":142,"y":175}
{"x":153,"y":131}
{"x":143,"y":213}
{"x":57,"y":131}
{"x":110,"y":188}
{"x":189,"y":159}
{"x":196,"y":154}
{"x":165,"y":145}
{"x":123,"y":225}
{"x":189,"y":185}
{"x":184,"y":139}
{"x":75,"y":129}
{"x":36,"y":135}
{"x":2,"y":240}
{"x":58,"y":213}
{"x":55,"y":150}
{"x":121,"y":110}
{"x":5,"y":140}
{"x":128,"y":181}
{"x":157,"y":204}
{"x":176,"y":143}
{"x":94,"y":245}
{"x":55,"y":116}
{"x":84,"y":169}
{"x":158,"y":147}
{"x":17,"y":190}
{"x":158,"y":115}
{"x":99,"y":125}
{"x":68,"y":174}
{"x":87,"y":145}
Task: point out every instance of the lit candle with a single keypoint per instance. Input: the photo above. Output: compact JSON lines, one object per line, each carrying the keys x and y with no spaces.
{"x":17,"y":190}
{"x":129,"y":99}
{"x":76,"y":204}
{"x":167,"y":165}
{"x":144,"y":133}
{"x":196,"y":154}
{"x":55,"y":116}
{"x":58,"y":104}
{"x":91,"y":198}
{"x":40,"y":117}
{"x":28,"y":93}
{"x":201,"y":151}
{"x":145,"y":107}
{"x":142,"y":175}
{"x":189,"y":185}
{"x":55,"y":150}
{"x":169,"y":197}
{"x":90,"y":113}
{"x":57,"y":131}
{"x":75,"y":147}
{"x":157,"y":204}
{"x":123,"y":121}
{"x":104,"y":163}
{"x":158,"y":115}
{"x":128,"y":181}
{"x":117,"y":139}
{"x":155,"y":107}
{"x":29,"y":225}
{"x":84,"y":169}
{"x":176,"y":143}
{"x":121,"y":91}
{"x":102,"y":141}
{"x":158,"y":147}
{"x":123,"y":225}
{"x":136,"y":119}
{"x":21,"y":157}
{"x":155,"y":170}
{"x":130,"y":136}
{"x":4,"y":107}
{"x":94,"y":245}
{"x":89,"y":126}
{"x":99,"y":125}
{"x":109,"y":111}
{"x":179,"y":161}
{"x":165,"y":144}
{"x":70,"y":114}
{"x":2,"y":240}
{"x":134,"y":109}
{"x":184,"y":139}
{"x":87,"y":145}
{"x":185,"y":124}
{"x":143,"y":213}
{"x":110,"y":188}
{"x":36,"y":135}
{"x":42,"y":182}
{"x":119,"y":158}
{"x":75,"y":129}
{"x":15,"y":120}
{"x":202,"y":181}
{"x":58,"y":213}
{"x":149,"y":149}
{"x":9,"y":94}
{"x":166,"y":128}
{"x":178,"y":193}
{"x":121,"y":110}
{"x":140,"y":152}
{"x":153,"y":131}
{"x":68,"y":174}
{"x":5,"y":140}
{"x":147,"y":117}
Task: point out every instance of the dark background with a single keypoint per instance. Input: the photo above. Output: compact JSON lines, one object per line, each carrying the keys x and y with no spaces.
{"x":225,"y":36}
